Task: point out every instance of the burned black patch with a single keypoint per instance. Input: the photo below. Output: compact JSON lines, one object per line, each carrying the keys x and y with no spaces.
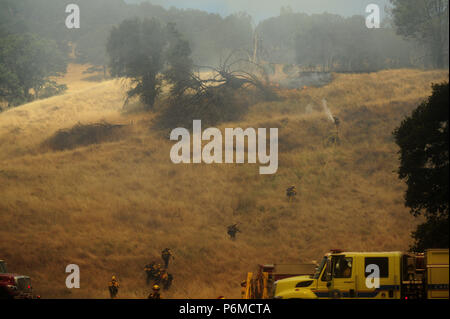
{"x":83,"y":135}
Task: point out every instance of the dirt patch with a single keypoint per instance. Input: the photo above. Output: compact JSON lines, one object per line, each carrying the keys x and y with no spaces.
{"x":308,"y":79}
{"x":83,"y":135}
{"x":289,"y":76}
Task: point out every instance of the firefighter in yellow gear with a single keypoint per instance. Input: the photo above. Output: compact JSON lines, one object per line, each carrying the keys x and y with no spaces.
{"x":166,"y":254}
{"x":164,"y":276}
{"x":165,"y":279}
{"x":113,"y":287}
{"x":155,"y":294}
{"x":232,"y":230}
{"x":153,"y":272}
{"x":243,"y":288}
{"x":337,"y":122}
{"x":157,"y":271}
{"x":148,"y":267}
{"x":291,"y":191}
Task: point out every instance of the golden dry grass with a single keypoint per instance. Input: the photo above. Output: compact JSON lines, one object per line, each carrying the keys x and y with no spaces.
{"x":112,"y":207}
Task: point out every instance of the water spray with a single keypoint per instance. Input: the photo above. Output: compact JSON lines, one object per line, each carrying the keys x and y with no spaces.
{"x":327,"y":111}
{"x":332,"y":118}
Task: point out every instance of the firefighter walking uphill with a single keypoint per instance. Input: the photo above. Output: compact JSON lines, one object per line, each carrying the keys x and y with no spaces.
{"x":113,"y":287}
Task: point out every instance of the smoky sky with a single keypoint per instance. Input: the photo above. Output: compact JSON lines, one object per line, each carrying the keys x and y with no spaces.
{"x":262,"y":9}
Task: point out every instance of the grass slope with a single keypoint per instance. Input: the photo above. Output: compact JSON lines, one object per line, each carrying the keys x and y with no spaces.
{"x":112,"y":207}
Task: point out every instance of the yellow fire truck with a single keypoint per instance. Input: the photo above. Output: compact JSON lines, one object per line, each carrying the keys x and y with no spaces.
{"x":350,"y":275}
{"x":259,"y":285}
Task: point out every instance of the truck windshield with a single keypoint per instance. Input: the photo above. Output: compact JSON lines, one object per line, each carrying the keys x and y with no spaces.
{"x":319,"y":269}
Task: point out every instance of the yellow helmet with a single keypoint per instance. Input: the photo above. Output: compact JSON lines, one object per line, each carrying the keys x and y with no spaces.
{"x":155,"y":287}
{"x":113,"y":277}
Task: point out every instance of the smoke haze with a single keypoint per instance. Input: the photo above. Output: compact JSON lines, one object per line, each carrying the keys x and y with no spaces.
{"x":262,"y":9}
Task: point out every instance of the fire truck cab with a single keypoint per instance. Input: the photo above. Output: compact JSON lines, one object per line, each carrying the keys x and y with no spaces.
{"x":14,"y":286}
{"x":349,"y":275}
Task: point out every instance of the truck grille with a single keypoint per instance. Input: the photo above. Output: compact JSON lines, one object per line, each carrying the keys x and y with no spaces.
{"x":23,"y":284}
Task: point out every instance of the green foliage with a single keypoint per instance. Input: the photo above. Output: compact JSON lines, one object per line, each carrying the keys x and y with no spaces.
{"x":431,"y":234}
{"x":51,"y":89}
{"x":341,"y":44}
{"x":425,"y":22}
{"x":91,"y":47}
{"x":135,"y":50}
{"x":179,"y":63}
{"x":331,"y":42}
{"x":27,"y":62}
{"x":212,"y":106}
{"x":210,"y":35}
{"x":224,"y":96}
{"x":345,"y":44}
{"x":142,"y":50}
{"x":10,"y":90}
{"x":424,"y":165}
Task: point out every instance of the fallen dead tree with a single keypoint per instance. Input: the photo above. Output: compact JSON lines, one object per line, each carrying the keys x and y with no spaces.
{"x":224,"y":95}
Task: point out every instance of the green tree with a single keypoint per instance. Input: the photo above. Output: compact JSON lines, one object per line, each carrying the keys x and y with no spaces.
{"x":425,"y":21}
{"x":147,"y":53}
{"x":28,"y":62}
{"x":424,"y":162}
{"x":135,"y":50}
{"x":9,"y":87}
{"x":179,"y":64}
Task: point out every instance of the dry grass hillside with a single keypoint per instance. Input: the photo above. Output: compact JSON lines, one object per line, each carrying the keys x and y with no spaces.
{"x":111,"y":207}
